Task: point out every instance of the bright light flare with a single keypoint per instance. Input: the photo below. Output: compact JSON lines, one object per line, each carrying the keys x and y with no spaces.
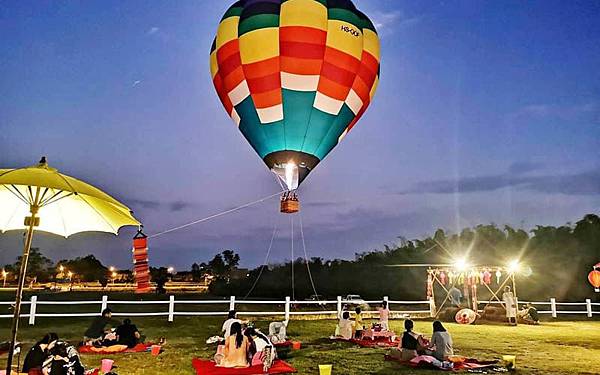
{"x":170,"y":270}
{"x":291,"y":175}
{"x":461,"y":264}
{"x":514,"y":266}
{"x":111,"y":269}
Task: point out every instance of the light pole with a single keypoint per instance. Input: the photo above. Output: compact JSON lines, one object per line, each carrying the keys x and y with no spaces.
{"x":4,"y":274}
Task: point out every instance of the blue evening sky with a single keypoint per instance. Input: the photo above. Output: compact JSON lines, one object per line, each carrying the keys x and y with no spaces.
{"x":487,"y":111}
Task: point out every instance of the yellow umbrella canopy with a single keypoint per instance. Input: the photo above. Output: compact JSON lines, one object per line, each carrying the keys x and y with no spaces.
{"x":66,"y":205}
{"x":38,"y":197}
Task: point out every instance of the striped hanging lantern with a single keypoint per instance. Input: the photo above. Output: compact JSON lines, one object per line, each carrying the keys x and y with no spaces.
{"x":140,"y":262}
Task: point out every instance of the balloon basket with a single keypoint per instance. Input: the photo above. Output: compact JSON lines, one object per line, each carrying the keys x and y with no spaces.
{"x":289,"y":205}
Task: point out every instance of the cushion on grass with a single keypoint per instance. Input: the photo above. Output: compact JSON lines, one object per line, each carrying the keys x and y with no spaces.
{"x":139,"y":348}
{"x":283,"y":344}
{"x":207,"y":367}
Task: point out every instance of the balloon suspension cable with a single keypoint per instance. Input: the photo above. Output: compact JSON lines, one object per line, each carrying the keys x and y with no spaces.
{"x":215,"y":215}
{"x":293,"y":286}
{"x":312,"y":283}
{"x":265,"y":263}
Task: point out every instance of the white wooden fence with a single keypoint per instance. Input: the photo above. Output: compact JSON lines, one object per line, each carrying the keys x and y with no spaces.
{"x":290,"y":308}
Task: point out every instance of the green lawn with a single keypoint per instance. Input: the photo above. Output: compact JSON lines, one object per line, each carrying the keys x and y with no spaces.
{"x":558,"y":347}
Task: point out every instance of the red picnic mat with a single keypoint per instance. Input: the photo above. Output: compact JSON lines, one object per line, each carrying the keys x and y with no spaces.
{"x":207,"y":367}
{"x":139,"y":348}
{"x":380,"y":342}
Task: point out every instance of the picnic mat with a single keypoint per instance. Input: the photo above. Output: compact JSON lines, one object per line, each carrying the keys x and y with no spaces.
{"x":459,"y":363}
{"x":207,"y":367}
{"x":380,"y":342}
{"x":139,"y":348}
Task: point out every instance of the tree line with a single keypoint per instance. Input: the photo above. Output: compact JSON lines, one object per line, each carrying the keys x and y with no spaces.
{"x":555,"y":262}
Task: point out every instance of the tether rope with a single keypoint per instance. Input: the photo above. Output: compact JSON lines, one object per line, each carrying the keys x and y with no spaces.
{"x":215,"y":215}
{"x":312,"y":283}
{"x":265,"y":262}
{"x":293,"y":286}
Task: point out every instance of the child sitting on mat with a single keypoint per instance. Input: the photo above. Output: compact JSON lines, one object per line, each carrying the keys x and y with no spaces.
{"x":358,"y":323}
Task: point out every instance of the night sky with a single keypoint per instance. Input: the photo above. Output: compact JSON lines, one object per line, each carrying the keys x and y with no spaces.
{"x":486,"y":112}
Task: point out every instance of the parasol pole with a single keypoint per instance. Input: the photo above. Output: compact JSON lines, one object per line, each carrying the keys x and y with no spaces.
{"x":31,"y":223}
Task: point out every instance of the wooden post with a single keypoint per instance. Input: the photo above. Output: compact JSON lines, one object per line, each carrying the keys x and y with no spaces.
{"x":171,"y":307}
{"x":287,"y":308}
{"x":588,"y":305}
{"x":33,"y":307}
{"x":339,"y":306}
{"x":553,"y":306}
{"x":104,"y":303}
{"x":232,"y":303}
{"x":432,"y":312}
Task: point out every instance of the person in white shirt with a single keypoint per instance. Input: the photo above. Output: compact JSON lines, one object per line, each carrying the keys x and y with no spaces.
{"x":345,"y":326}
{"x":510,"y":304}
{"x":231,"y":318}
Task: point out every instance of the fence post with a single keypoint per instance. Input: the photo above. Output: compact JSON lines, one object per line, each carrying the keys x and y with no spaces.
{"x":104,"y":303}
{"x":432,"y":311}
{"x":588,"y":305}
{"x":339,"y":306}
{"x":232,"y":303}
{"x":287,"y":308}
{"x":32,"y":308}
{"x":553,"y":306}
{"x":171,"y":307}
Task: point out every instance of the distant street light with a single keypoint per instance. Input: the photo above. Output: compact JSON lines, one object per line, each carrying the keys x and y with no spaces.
{"x":112,"y":269}
{"x":171,"y":270}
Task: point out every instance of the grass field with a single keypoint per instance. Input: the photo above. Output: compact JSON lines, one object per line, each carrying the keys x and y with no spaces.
{"x":558,"y":347}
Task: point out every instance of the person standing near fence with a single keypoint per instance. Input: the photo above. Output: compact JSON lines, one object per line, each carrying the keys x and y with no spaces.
{"x":510,"y":305}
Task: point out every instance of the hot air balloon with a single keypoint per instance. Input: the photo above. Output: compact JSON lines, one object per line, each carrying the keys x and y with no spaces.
{"x":295,"y":76}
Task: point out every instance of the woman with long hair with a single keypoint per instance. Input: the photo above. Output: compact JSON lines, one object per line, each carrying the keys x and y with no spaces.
{"x":38,"y":353}
{"x":441,"y":342}
{"x":236,"y":348}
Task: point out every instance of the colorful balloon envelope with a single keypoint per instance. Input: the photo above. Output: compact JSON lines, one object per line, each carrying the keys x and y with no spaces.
{"x":295,"y":76}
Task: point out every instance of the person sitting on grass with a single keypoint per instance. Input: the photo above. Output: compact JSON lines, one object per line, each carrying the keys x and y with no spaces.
{"x":231,"y":318}
{"x":35,"y":357}
{"x":100,"y":327}
{"x":441,"y":342}
{"x":278,"y":331}
{"x":128,"y":334}
{"x":411,"y":343}
{"x":529,"y":314}
{"x":358,"y":323}
{"x":63,"y":360}
{"x":344,"y":328}
{"x":384,"y":314}
{"x":261,"y":350}
{"x":236,"y":348}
